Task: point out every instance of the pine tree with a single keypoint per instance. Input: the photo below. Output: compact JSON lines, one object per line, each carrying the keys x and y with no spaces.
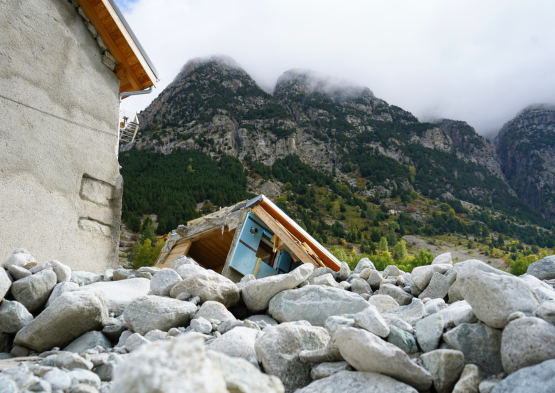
{"x":383,"y":245}
{"x":144,"y":257}
{"x":400,"y":250}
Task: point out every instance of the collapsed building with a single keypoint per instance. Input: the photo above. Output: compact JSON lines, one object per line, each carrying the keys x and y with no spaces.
{"x":253,"y":237}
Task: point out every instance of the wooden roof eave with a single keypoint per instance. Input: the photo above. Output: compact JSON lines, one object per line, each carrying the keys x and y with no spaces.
{"x":133,"y":68}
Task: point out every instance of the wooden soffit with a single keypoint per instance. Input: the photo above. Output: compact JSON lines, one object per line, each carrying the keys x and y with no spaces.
{"x":134,"y":68}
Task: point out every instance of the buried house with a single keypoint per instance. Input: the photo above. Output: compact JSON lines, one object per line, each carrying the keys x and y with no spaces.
{"x":64,"y":67}
{"x":253,"y":237}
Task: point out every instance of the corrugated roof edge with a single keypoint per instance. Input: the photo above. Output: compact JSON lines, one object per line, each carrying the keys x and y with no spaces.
{"x":130,"y":31}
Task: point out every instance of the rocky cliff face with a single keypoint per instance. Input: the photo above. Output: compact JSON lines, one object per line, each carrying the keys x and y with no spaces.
{"x":526,"y":149}
{"x":335,"y":126}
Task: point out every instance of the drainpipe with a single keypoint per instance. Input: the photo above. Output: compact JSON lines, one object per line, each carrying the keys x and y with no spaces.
{"x":127,"y":94}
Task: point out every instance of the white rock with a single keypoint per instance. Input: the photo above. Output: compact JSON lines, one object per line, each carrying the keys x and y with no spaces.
{"x":326,"y":279}
{"x":411,"y":313}
{"x":20,"y":257}
{"x":33,"y":291}
{"x":5,"y":283}
{"x":375,"y":279}
{"x":437,"y":288}
{"x":469,"y":381}
{"x":446,"y":366}
{"x":361,"y":287}
{"x":174,"y":366}
{"x":434,"y":306}
{"x":13,"y":316}
{"x":18,"y":272}
{"x":421,"y":275}
{"x":209,"y":285}
{"x":359,"y":382}
{"x":400,"y":296}
{"x":214,"y":310}
{"x":364,"y":263}
{"x":458,"y":313}
{"x":58,"y":379}
{"x":59,"y":289}
{"x":546,"y":311}
{"x":334,"y":322}
{"x":429,"y":331}
{"x":545,"y":292}
{"x":84,"y":278}
{"x":156,"y":335}
{"x":238,"y":342}
{"x":257,"y":294}
{"x":188,"y":270}
{"x":63,"y":272}
{"x":119,"y":294}
{"x":344,"y":271}
{"x":327,"y":369}
{"x":134,"y":341}
{"x":370,"y":319}
{"x":367,"y":352}
{"x":201,"y":325}
{"x":163,"y":281}
{"x":88,"y":341}
{"x":391,"y":271}
{"x":443,"y":259}
{"x":383,"y":302}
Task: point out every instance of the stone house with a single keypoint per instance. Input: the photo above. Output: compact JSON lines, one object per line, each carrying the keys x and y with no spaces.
{"x":63,"y":67}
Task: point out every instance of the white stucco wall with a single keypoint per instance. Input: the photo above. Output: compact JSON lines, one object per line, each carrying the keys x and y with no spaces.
{"x":58,"y":193}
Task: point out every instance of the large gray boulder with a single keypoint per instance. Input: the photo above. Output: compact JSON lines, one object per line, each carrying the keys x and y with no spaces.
{"x":278,"y":350}
{"x":538,"y":379}
{"x":209,"y":285}
{"x":85,"y":278}
{"x":327,"y":369}
{"x":437,"y":288}
{"x":33,"y":291}
{"x":214,"y":310}
{"x":13,"y":316}
{"x":361,"y":287}
{"x":154,"y":312}
{"x":242,"y":377}
{"x":546,"y":311}
{"x":18,"y":272}
{"x":446,"y":366}
{"x":402,"y":340}
{"x":344,"y":272}
{"x":326,"y":279}
{"x":480,"y":344}
{"x":87,"y":341}
{"x":494,"y":297}
{"x":163,"y":281}
{"x":238,"y":343}
{"x":383,"y":303}
{"x":174,"y":366}
{"x":469,"y":381}
{"x":188,"y":270}
{"x":411,"y":314}
{"x":70,"y":316}
{"x":364,"y":263}
{"x":258,"y":293}
{"x":359,"y":382}
{"x":119,"y":294}
{"x":457,"y":313}
{"x":429,"y":331}
{"x":371,"y":320}
{"x":60,"y":288}
{"x":20,"y":257}
{"x":544,"y":269}
{"x":527,"y":342}
{"x":421,"y":275}
{"x":400,"y":296}
{"x":314,"y":303}
{"x":5,"y":283}
{"x":545,"y":292}
{"x":443,"y":259}
{"x":367,"y":352}
{"x":63,"y":272}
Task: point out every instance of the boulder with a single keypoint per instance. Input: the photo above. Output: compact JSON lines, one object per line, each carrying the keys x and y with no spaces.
{"x":326,"y":279}
{"x":458,"y":313}
{"x":201,"y":325}
{"x":63,"y":272}
{"x":319,"y":271}
{"x":469,"y":381}
{"x":188,"y":270}
{"x":314,"y":303}
{"x":434,"y":306}
{"x":59,"y":289}
{"x":437,"y":288}
{"x":443,"y":259}
{"x":365,"y":274}
{"x":87,"y":341}
{"x":400,"y":296}
{"x":370,"y":319}
{"x":20,"y":257}
{"x":421,"y":275}
{"x":394,"y":321}
{"x":480,"y":344}
{"x":411,"y":314}
{"x":154,"y":312}
{"x":494,"y":297}
{"x":383,"y":303}
{"x":359,"y":382}
{"x":391,"y":271}
{"x":33,"y":291}
{"x":183,"y":260}
{"x":58,"y":379}
{"x":257,"y":294}
{"x":538,"y":379}
{"x":84,"y":278}
{"x":527,"y":342}
{"x":402,"y":339}
{"x":214,"y":310}
{"x":364,"y":263}
{"x":544,"y":269}
{"x":242,"y":377}
{"x":238,"y":343}
{"x":367,"y":352}
{"x":174,"y":366}
{"x":344,"y":271}
{"x":545,"y":292}
{"x":446,"y":366}
{"x":13,"y":316}
{"x":119,"y":294}
{"x":546,"y":311}
{"x":17,"y":273}
{"x":327,"y":369}
{"x":375,"y":279}
{"x":278,"y":350}
{"x":263,"y":318}
{"x":156,"y":335}
{"x":209,"y":285}
{"x":336,"y":321}
{"x":163,"y":281}
{"x":429,"y":331}
{"x":71,"y":361}
{"x":135,"y":341}
{"x":68,"y":317}
{"x":360,"y":286}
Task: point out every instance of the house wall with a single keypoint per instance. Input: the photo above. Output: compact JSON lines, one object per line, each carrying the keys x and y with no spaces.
{"x":60,"y":188}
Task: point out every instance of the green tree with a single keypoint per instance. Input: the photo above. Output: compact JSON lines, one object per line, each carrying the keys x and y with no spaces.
{"x":519,"y":266}
{"x":342,"y":208}
{"x":144,"y":256}
{"x":383,"y":245}
{"x":148,"y":232}
{"x":400,"y":250}
{"x":134,"y":251}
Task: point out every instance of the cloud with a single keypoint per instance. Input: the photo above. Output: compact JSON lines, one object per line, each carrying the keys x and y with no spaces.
{"x":471,"y":60}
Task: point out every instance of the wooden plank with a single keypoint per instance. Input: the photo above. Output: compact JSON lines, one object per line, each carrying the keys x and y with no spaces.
{"x":180,"y":248}
{"x":284,"y":236}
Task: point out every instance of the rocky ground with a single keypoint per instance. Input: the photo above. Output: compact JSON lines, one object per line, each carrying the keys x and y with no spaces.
{"x":463,"y":327}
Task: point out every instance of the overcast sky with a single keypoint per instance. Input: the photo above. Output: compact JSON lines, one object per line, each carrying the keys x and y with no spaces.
{"x":473,"y":60}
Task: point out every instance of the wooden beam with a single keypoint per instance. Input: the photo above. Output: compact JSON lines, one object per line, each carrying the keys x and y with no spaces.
{"x":181,"y":248}
{"x":284,"y":235}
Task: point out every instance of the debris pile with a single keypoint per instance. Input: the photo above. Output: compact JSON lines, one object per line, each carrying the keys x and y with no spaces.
{"x":445,"y":327}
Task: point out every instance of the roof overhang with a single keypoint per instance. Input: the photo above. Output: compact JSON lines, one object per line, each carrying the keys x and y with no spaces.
{"x":134,"y":69}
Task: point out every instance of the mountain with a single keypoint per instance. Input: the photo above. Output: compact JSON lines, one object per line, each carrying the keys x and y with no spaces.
{"x":526,"y":149}
{"x":336,"y":127}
